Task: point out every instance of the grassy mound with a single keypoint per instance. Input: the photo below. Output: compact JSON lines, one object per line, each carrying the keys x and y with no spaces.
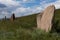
{"x":23,"y":28}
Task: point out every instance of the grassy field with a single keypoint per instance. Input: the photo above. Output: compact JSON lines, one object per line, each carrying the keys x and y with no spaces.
{"x":24,"y":28}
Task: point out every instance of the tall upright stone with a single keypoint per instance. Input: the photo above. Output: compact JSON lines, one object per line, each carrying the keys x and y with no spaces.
{"x":46,"y":19}
{"x":5,"y":18}
{"x":12,"y":17}
{"x":39,"y":16}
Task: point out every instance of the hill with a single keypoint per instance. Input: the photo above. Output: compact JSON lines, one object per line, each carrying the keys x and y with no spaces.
{"x":23,"y":29}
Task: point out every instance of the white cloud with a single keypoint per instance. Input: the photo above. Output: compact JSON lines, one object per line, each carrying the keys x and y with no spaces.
{"x":21,"y":10}
{"x":4,"y":12}
{"x":56,"y":3}
{"x":25,"y":0}
{"x":26,"y":11}
{"x":9,"y":2}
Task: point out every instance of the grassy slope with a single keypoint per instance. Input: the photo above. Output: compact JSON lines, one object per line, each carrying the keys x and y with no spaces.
{"x":57,"y":14}
{"x":27,"y":21}
{"x":21,"y":29}
{"x":57,"y":20}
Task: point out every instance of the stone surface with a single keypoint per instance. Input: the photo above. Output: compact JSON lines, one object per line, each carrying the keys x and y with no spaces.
{"x":39,"y":16}
{"x":12,"y":17}
{"x":45,"y":22}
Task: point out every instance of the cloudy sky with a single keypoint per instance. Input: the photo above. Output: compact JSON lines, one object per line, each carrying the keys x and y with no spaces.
{"x":24,"y":7}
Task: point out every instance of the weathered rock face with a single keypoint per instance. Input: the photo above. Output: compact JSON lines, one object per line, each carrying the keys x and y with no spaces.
{"x":45,"y":23}
{"x":39,"y":16}
{"x":12,"y":17}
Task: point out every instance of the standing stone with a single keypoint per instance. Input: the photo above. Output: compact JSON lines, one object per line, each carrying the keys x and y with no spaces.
{"x":47,"y":17}
{"x":39,"y":16}
{"x":12,"y":17}
{"x":5,"y":18}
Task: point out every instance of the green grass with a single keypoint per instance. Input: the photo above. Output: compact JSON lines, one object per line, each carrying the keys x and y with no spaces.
{"x":24,"y":28}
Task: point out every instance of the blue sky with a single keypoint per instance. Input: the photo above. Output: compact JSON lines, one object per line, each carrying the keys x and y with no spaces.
{"x":25,"y":7}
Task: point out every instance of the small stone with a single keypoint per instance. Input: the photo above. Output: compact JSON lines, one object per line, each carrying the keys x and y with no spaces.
{"x":12,"y":17}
